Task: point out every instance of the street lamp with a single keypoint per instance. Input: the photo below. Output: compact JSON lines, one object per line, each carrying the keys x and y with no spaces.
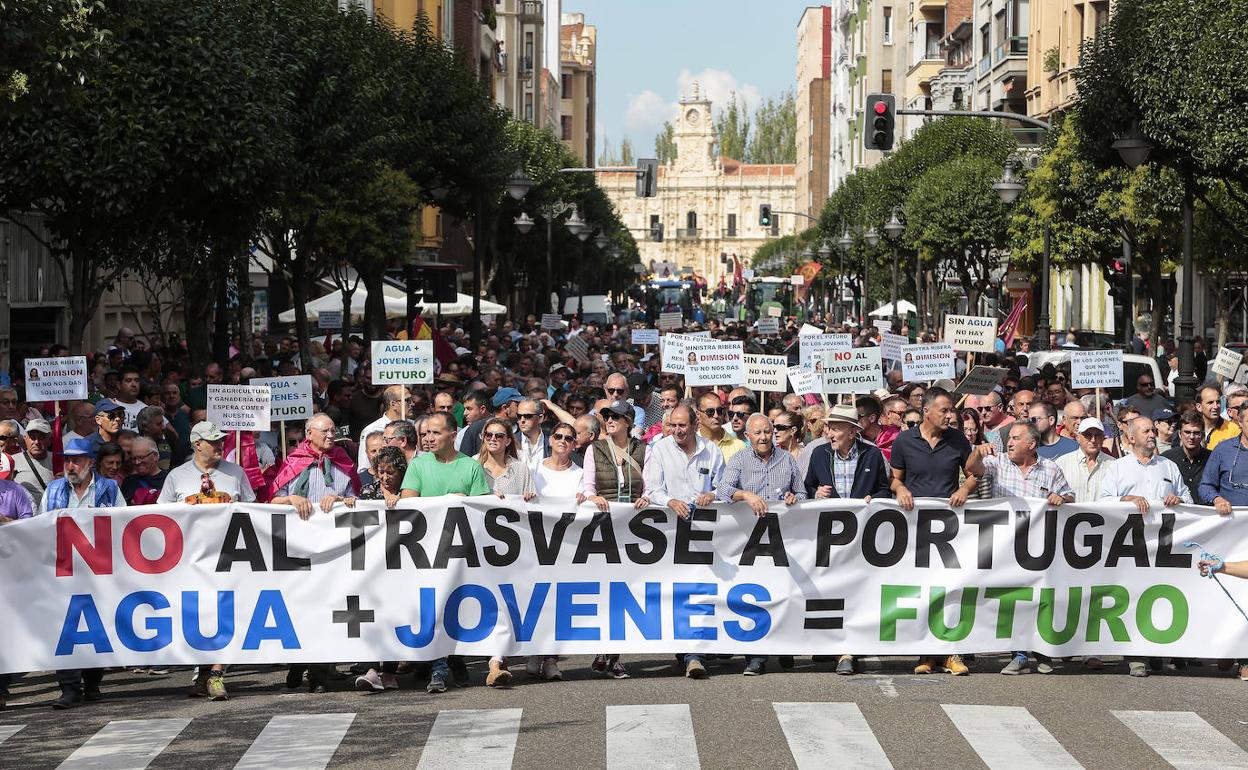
{"x":1008,"y":188}
{"x":582,"y":230}
{"x":1133,"y":147}
{"x":524,"y":223}
{"x":873,"y":237}
{"x":893,"y":229}
{"x":519,"y":184}
{"x":601,"y":240}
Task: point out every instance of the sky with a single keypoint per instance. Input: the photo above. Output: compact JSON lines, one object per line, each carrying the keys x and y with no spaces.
{"x":650,"y":51}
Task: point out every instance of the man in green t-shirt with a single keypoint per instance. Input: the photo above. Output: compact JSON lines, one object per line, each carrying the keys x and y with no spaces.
{"x":444,"y":471}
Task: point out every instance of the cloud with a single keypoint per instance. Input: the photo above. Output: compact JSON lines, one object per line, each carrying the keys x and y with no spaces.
{"x":647,"y":111}
{"x":718,"y":85}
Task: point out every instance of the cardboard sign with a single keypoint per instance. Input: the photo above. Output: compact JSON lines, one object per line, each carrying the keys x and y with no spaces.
{"x":239,"y":407}
{"x":1096,"y":368}
{"x":552,"y":321}
{"x":891,"y":344}
{"x":803,"y":380}
{"x":714,"y":362}
{"x":645,"y":336}
{"x":981,"y":380}
{"x":56,"y":379}
{"x":973,"y":334}
{"x":808,"y":329}
{"x":329,"y":320}
{"x":1226,"y":364}
{"x":774,"y":312}
{"x":768,"y":327}
{"x":797,"y":280}
{"x":857,"y":370}
{"x":291,"y":397}
{"x":671,"y":321}
{"x":403,"y":362}
{"x":920,"y":363}
{"x":768,"y":373}
{"x":812,"y":347}
{"x":578,"y":348}
{"x":747,"y":273}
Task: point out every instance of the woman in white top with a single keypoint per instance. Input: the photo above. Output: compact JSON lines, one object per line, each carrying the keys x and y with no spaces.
{"x":557,"y":475}
{"x":506,"y":473}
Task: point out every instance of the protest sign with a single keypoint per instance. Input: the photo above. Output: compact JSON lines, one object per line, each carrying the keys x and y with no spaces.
{"x":714,"y":362}
{"x":797,"y":280}
{"x":971,"y":334}
{"x":645,"y":336}
{"x":812,"y":347}
{"x":808,"y":329}
{"x":891,"y":344}
{"x":239,"y":407}
{"x":1096,"y":368}
{"x":768,"y":327}
{"x":766,"y":373}
{"x":671,"y":321}
{"x":251,"y":585}
{"x":1226,"y":364}
{"x":920,"y":363}
{"x":291,"y":397}
{"x":981,"y":380}
{"x":552,"y":321}
{"x":856,"y":370}
{"x":329,"y":320}
{"x":56,"y":379}
{"x":578,"y":348}
{"x":774,"y":312}
{"x":804,"y":380}
{"x":403,"y":362}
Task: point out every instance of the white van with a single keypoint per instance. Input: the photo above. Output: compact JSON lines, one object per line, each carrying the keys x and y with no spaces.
{"x":1132,"y":367}
{"x":596,"y":308}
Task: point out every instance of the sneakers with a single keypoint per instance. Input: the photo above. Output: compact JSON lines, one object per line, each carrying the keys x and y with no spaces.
{"x":294,"y":677}
{"x":617,"y":671}
{"x":1047,"y":665}
{"x":1137,"y":668}
{"x":499,"y":676}
{"x":437,"y":684}
{"x":610,"y":666}
{"x":216,"y":687}
{"x":845,"y":666}
{"x":925,"y":666}
{"x":370,"y":681}
{"x":1017,"y":665}
{"x":599,"y":666}
{"x":756,"y":667}
{"x":199,"y":689}
{"x":786,"y":662}
{"x":533,"y":667}
{"x":955,"y":666}
{"x":695,"y":670}
{"x":390,"y":681}
{"x":1093,"y":663}
{"x":550,"y":669}
{"x":158,"y":671}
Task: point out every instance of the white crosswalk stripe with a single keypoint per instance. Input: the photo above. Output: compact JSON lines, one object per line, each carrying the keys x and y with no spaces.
{"x":481,"y":739}
{"x":651,"y":737}
{"x":296,"y":742}
{"x":1010,"y":738}
{"x":129,"y":744}
{"x":8,"y":731}
{"x":830,"y":735}
{"x":1184,"y":740}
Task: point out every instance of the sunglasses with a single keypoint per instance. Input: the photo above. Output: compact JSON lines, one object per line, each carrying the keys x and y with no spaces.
{"x":528,"y":415}
{"x":780,"y":427}
{"x":911,"y":423}
{"x":493,"y":436}
{"x":739,"y":415}
{"x":9,"y":437}
{"x":612,"y":417}
{"x":713,"y":412}
{"x":561,"y":437}
{"x":984,"y":408}
{"x":1146,"y":384}
{"x":616,"y":390}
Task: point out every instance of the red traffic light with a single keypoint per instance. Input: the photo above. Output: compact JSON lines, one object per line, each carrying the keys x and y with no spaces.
{"x":880,"y":108}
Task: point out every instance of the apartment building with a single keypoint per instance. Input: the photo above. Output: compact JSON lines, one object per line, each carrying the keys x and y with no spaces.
{"x":814,"y":107}
{"x":578,"y":82}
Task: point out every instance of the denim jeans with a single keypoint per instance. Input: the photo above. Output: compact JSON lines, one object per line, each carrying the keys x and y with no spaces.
{"x":690,"y":657}
{"x":441,"y":668}
{"x":752,"y":658}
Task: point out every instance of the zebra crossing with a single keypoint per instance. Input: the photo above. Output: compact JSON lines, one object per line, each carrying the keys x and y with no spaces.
{"x":656,"y":737}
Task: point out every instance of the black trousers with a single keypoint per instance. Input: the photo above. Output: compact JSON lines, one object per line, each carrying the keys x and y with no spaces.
{"x":79,"y":679}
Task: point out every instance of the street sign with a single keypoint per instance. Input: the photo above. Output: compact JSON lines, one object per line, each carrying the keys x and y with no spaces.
{"x":1096,"y":368}
{"x":403,"y":362}
{"x":921,"y":363}
{"x":766,"y":373}
{"x":973,"y":334}
{"x":856,"y":370}
{"x":56,"y":379}
{"x":239,"y":407}
{"x":291,"y":397}
{"x":981,"y":380}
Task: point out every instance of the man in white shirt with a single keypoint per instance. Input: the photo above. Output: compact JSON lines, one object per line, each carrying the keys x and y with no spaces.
{"x":392,"y":397}
{"x":1142,"y":477}
{"x":532,"y":441}
{"x":1085,"y":469}
{"x":128,"y":397}
{"x":206,"y":465}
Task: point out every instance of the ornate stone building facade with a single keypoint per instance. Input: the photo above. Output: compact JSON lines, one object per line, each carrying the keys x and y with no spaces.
{"x":708,"y":204}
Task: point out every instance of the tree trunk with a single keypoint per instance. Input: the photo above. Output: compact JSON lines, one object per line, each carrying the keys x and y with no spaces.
{"x":84,"y":298}
{"x":246,"y":298}
{"x":299,"y":293}
{"x":374,"y":305}
{"x":196,"y":305}
{"x":221,"y":321}
{"x":345,"y":331}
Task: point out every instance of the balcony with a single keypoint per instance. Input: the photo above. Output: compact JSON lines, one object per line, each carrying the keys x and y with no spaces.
{"x":531,"y":11}
{"x":728,"y":232}
{"x":1015,"y":46}
{"x":688,"y":234}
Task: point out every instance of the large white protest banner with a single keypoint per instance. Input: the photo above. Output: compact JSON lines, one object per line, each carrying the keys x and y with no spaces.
{"x":402,"y":362}
{"x":1096,"y":369}
{"x":252,"y":584}
{"x":856,"y":370}
{"x":714,"y":362}
{"x":291,"y":396}
{"x":239,"y":407}
{"x":60,"y":378}
{"x":969,"y":333}
{"x":766,"y":373}
{"x":933,"y":361}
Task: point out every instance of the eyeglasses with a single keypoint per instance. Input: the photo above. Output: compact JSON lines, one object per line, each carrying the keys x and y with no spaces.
{"x":735,"y":415}
{"x":911,"y":423}
{"x":9,"y":437}
{"x":562,"y":437}
{"x":387,"y":439}
{"x":713,"y":412}
{"x":1192,"y":433}
{"x":135,"y":458}
{"x":495,"y":436}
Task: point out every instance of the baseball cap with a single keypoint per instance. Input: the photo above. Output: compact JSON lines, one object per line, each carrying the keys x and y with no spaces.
{"x":619,"y":408}
{"x":106,"y":405}
{"x":506,"y":396}
{"x":41,"y":426}
{"x":1163,"y":414}
{"x":558,"y":367}
{"x":6,"y":466}
{"x":206,"y":431}
{"x":1090,"y":423}
{"x":79,"y":447}
{"x":638,"y":385}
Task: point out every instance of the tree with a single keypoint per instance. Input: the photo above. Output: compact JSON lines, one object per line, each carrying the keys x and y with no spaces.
{"x":775,"y":131}
{"x":626,"y":153}
{"x":46,"y":41}
{"x":732,"y":126}
{"x":665,"y":143}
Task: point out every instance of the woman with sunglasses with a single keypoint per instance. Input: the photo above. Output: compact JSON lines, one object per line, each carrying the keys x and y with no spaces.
{"x":505,"y":472}
{"x":789,"y":430}
{"x":973,"y":428}
{"x":613,"y":473}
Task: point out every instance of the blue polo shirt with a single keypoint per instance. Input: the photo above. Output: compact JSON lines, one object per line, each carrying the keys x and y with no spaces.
{"x":1062,"y":446}
{"x":930,"y":471}
{"x":1226,"y":473}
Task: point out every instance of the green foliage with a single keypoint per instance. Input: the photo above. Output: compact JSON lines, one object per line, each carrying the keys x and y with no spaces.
{"x":45,"y":41}
{"x":1052,"y":60}
{"x":732,"y":126}
{"x":665,"y":143}
{"x":775,"y":131}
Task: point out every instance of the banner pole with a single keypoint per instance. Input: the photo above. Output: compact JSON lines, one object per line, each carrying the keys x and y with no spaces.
{"x":403,"y":405}
{"x":238,"y":447}
{"x":1098,"y":403}
{"x":282,"y":437}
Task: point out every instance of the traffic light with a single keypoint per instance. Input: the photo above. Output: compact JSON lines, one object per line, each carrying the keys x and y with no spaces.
{"x":1117,"y":280}
{"x":647,"y":177}
{"x":656,"y":232}
{"x":764,"y":215}
{"x":881,"y":117}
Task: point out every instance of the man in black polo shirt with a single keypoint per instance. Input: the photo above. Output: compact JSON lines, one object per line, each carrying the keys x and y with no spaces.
{"x":926,"y":460}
